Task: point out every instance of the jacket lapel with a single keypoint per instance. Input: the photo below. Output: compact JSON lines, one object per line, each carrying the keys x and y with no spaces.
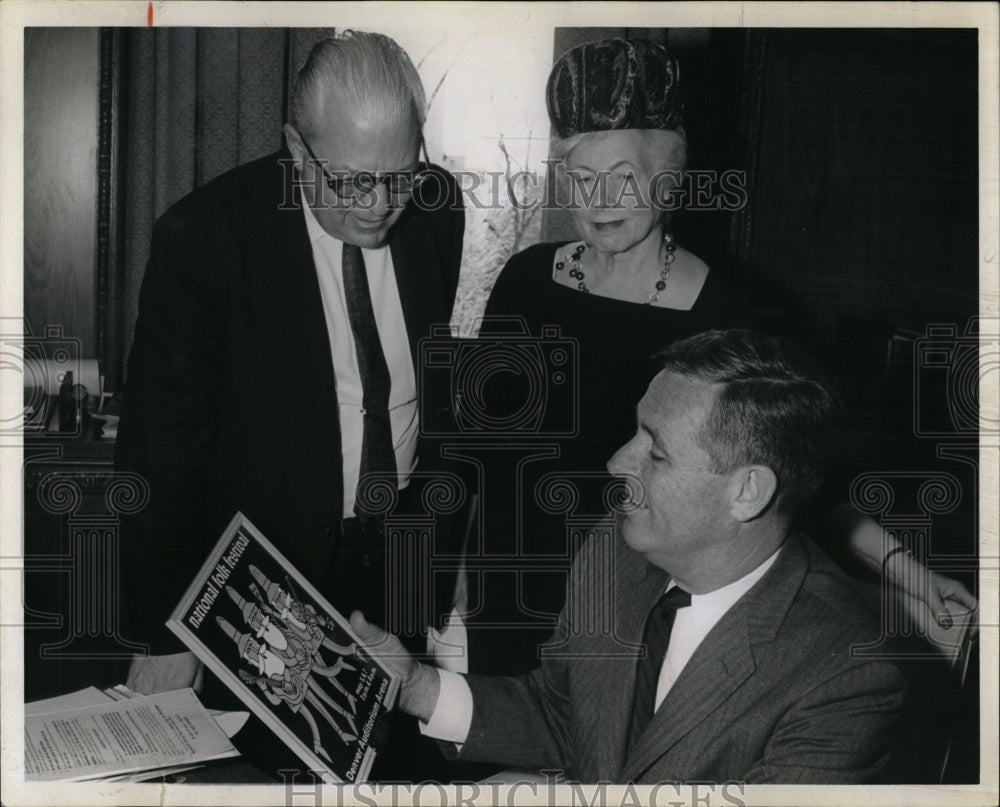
{"x":411,"y":255}
{"x":309,"y":340}
{"x":720,"y":665}
{"x":723,"y":661}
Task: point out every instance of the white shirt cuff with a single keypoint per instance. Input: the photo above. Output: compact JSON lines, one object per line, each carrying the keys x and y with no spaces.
{"x":452,"y":715}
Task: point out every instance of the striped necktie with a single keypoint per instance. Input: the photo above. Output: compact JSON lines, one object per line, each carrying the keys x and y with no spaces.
{"x":377,"y":454}
{"x":656,"y":639}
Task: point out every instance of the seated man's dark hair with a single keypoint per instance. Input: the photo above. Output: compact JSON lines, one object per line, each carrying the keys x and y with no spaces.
{"x":774,"y":407}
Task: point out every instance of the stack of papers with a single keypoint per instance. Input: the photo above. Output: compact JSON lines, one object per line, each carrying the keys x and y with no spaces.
{"x":117,"y":735}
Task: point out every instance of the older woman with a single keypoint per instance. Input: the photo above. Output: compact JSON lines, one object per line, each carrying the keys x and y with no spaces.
{"x":620,"y":292}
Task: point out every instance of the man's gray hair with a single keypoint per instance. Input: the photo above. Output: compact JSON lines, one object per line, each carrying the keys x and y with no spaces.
{"x":368,"y":76}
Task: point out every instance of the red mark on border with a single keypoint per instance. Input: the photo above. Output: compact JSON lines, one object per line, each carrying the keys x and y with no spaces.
{"x":149,"y":14}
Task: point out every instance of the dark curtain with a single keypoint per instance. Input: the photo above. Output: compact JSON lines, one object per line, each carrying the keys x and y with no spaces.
{"x":195,"y":102}
{"x":865,"y":197}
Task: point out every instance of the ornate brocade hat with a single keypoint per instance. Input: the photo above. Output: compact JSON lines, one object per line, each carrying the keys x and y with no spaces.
{"x":614,"y":84}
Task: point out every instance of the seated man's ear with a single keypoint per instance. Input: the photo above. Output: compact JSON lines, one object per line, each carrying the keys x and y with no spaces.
{"x":752,"y":489}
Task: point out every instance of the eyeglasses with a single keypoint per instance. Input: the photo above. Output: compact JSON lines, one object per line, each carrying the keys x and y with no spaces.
{"x":363,"y":183}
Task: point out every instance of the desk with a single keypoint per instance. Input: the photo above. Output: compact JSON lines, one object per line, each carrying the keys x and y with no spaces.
{"x":72,"y":503}
{"x":223,"y":772}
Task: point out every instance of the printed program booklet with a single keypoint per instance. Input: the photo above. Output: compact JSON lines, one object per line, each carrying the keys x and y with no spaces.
{"x":265,"y":631}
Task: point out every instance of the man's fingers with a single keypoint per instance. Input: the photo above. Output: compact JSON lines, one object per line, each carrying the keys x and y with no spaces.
{"x":148,"y":675}
{"x":368,"y":633}
{"x":381,"y":644}
{"x":134,"y":683}
{"x":359,"y":624}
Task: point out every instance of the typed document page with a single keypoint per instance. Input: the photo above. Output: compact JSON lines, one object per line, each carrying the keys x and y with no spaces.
{"x":171,"y":728}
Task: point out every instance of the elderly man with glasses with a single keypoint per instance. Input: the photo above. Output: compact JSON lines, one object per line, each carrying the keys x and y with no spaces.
{"x":274,"y":366}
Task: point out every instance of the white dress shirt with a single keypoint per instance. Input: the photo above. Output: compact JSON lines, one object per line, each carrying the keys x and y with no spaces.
{"x":692,"y":625}
{"x":452,"y":715}
{"x":327,"y":254}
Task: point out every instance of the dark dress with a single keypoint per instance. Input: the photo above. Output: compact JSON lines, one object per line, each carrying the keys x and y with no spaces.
{"x":614,"y":342}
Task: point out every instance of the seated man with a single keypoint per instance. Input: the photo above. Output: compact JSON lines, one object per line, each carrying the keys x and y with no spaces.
{"x":702,"y":639}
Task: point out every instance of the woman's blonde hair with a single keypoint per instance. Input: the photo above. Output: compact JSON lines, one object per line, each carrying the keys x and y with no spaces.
{"x":662,"y":149}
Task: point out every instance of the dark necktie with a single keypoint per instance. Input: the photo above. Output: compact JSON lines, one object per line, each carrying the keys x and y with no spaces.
{"x":656,"y":639}
{"x":377,"y":455}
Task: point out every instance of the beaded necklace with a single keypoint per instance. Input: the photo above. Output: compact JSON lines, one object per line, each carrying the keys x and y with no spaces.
{"x":577,"y":274}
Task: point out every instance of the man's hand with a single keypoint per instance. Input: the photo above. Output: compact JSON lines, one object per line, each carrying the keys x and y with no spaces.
{"x":151,"y":674}
{"x":420,"y":684}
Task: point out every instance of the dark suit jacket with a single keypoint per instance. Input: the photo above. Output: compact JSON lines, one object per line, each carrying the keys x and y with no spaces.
{"x":771,"y":695}
{"x":230,"y":400}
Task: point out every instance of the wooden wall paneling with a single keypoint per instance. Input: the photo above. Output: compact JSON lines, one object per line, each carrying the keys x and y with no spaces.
{"x":109,"y":268}
{"x":60,"y":180}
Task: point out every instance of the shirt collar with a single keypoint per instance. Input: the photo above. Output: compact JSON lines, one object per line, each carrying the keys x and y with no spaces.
{"x":316,"y":231}
{"x":722,"y":599}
